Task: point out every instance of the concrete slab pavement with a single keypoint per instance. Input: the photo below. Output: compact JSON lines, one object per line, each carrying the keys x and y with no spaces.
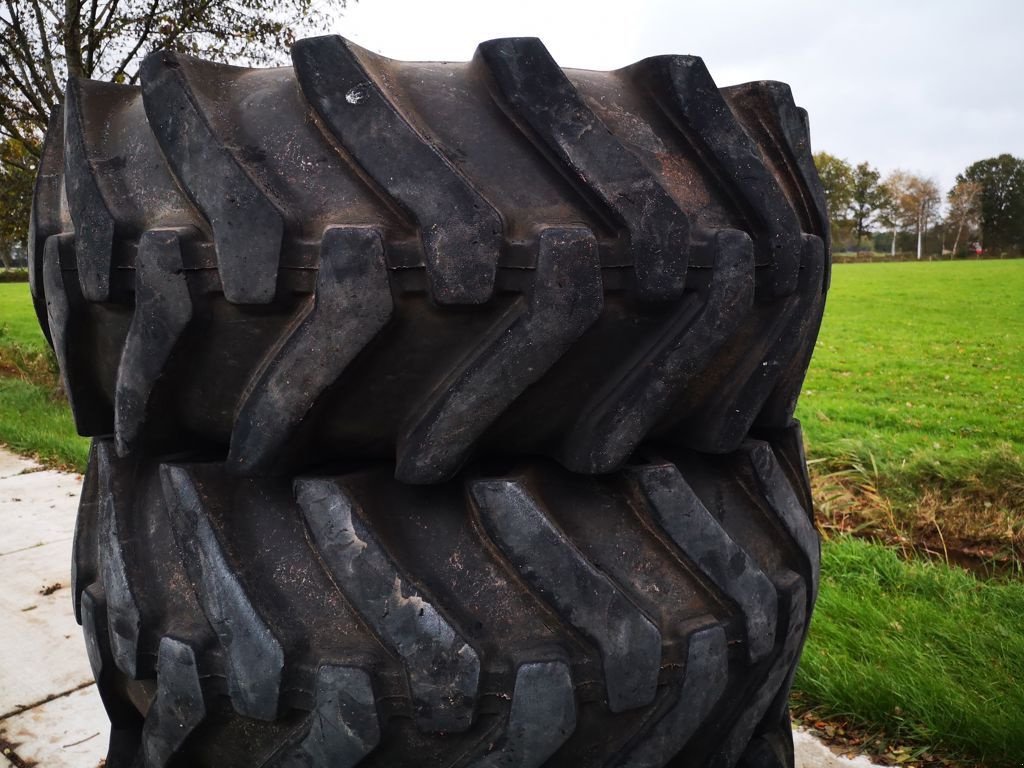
{"x":50,"y":712}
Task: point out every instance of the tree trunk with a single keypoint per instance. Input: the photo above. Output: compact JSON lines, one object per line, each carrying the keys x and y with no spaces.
{"x":73,"y":38}
{"x":893,"y":250}
{"x":920,"y":227}
{"x":956,"y":241}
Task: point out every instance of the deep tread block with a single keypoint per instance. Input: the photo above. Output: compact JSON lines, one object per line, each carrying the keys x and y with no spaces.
{"x":684,"y":88}
{"x":247,"y":227}
{"x":705,"y":543}
{"x":567,"y":298}
{"x":255,"y":657}
{"x":703,"y":682}
{"x":535,"y":90}
{"x":542,"y":717}
{"x":179,"y":706}
{"x":630,"y":645}
{"x":87,"y":406}
{"x":793,"y":602}
{"x":343,"y":729}
{"x":769,"y":105}
{"x":351,"y":305}
{"x":460,"y":231}
{"x":637,"y":397}
{"x":123,"y":615}
{"x":125,"y":721}
{"x":94,"y":223}
{"x":784,"y":502}
{"x":45,"y":219}
{"x":163,"y":309}
{"x":85,"y":547}
{"x":442,"y":667}
{"x":780,"y":406}
{"x":723,"y":425}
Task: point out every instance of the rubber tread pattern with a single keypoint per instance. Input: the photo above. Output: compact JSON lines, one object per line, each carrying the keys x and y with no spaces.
{"x":584,"y":597}
{"x":45,"y":218}
{"x":759,"y":103}
{"x":786,"y":506}
{"x":702,"y":685}
{"x":542,"y":717}
{"x":443,"y":668}
{"x":686,"y":91}
{"x":697,"y":533}
{"x":179,"y":706}
{"x":123,"y":615}
{"x":255,"y":657}
{"x":567,"y":298}
{"x":535,"y":90}
{"x":343,"y":729}
{"x":641,"y":391}
{"x":352,"y":303}
{"x":125,"y":721}
{"x":793,"y":600}
{"x":163,"y":309}
{"x":84,"y":568}
{"x":723,"y":425}
{"x":460,"y":231}
{"x":94,"y":223}
{"x":247,"y":227}
{"x":89,"y":411}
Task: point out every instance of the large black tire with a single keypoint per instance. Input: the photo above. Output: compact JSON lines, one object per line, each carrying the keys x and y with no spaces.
{"x":443,"y":413}
{"x":519,"y":616}
{"x":361,"y":258}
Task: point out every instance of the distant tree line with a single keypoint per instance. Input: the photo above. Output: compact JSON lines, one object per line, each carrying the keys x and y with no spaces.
{"x":903,"y":212}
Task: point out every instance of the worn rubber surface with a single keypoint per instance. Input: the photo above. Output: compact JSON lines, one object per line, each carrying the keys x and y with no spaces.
{"x":358,"y":258}
{"x":520,"y":615}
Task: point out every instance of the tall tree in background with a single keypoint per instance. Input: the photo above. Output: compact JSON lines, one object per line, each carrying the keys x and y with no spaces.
{"x":964,"y":208}
{"x":1002,"y":200}
{"x":16,"y":178}
{"x":892,"y":211}
{"x":837,"y":180}
{"x":43,"y":42}
{"x":920,"y":202}
{"x":866,"y":199}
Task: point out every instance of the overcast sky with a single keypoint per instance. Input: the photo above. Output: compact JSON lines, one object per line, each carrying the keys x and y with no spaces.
{"x":925,"y":86}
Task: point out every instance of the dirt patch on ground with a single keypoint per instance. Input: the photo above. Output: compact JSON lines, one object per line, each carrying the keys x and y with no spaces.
{"x":978,"y":529}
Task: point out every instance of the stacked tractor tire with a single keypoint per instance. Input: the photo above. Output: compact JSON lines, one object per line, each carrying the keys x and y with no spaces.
{"x":442,"y":413}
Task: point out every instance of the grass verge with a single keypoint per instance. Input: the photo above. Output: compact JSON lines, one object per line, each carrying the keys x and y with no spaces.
{"x":34,"y":416}
{"x":926,"y":653}
{"x":913,"y":408}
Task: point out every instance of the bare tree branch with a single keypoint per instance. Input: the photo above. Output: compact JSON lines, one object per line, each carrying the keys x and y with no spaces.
{"x":143,"y":37}
{"x":37,"y":80}
{"x":44,"y":38}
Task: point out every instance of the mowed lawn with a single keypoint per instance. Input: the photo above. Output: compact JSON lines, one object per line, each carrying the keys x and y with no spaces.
{"x":919,"y":369}
{"x":34,"y":419}
{"x":18,"y":323}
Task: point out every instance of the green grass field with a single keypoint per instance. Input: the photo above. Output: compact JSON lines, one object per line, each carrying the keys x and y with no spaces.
{"x":34,"y":418}
{"x":926,"y":653}
{"x":920,"y":367}
{"x":18,"y":322}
